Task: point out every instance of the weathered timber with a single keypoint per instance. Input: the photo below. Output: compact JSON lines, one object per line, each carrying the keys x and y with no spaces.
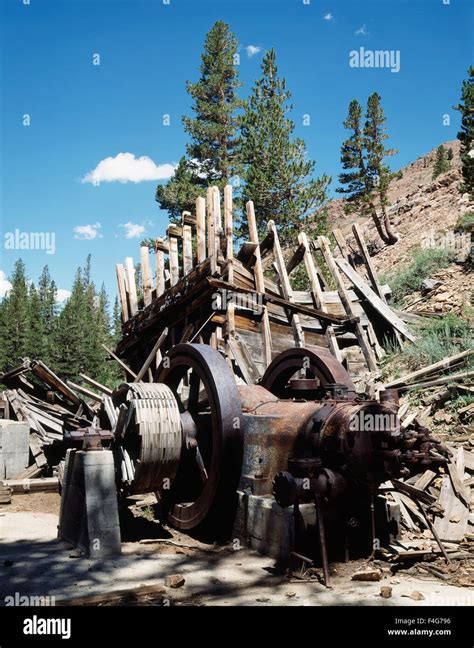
{"x":147,"y":280}
{"x":436,"y":367}
{"x":131,"y":286}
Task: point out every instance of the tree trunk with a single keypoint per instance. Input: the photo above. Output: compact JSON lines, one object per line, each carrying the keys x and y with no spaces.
{"x":392,"y":238}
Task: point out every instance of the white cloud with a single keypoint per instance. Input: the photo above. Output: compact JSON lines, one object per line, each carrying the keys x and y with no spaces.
{"x":252,"y":50}
{"x":125,"y":167}
{"x":62,"y":295}
{"x":329,"y":16}
{"x":87,"y":232}
{"x":362,"y":31}
{"x":132,"y":230}
{"x":5,"y":285}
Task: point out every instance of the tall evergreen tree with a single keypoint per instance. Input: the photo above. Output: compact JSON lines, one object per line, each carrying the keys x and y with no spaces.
{"x":276,"y":173}
{"x":35,"y":334}
{"x":366,"y":177}
{"x":441,"y":164}
{"x":47,"y":292}
{"x":466,"y":134}
{"x":212,"y":152}
{"x":14,"y":325}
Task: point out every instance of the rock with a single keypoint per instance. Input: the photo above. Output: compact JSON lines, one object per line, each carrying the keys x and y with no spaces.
{"x":428,"y":285}
{"x":367,"y":575}
{"x":176,"y":580}
{"x":385,"y":592}
{"x":415,"y":596}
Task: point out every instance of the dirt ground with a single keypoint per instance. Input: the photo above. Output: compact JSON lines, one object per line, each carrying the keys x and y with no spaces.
{"x":34,"y":562}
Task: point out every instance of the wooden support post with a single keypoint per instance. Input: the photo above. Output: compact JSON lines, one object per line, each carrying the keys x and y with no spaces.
{"x":211,"y":231}
{"x":160,"y":268}
{"x":122,"y":291}
{"x":216,"y":206}
{"x":229,"y":229}
{"x":201,"y":228}
{"x":285,"y":285}
{"x":317,"y":294}
{"x":131,"y":285}
{"x":260,"y":284}
{"x":187,"y":249}
{"x":174,"y":261}
{"x":147,"y":280}
{"x":346,"y":302}
{"x":342,"y":244}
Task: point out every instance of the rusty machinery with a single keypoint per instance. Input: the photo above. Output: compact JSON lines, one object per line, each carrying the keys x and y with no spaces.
{"x":196,"y":438}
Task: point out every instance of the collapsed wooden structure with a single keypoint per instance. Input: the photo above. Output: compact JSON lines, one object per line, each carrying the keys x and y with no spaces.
{"x":244,"y":303}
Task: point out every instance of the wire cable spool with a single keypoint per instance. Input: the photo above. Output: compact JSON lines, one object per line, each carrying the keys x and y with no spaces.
{"x":151,"y":441}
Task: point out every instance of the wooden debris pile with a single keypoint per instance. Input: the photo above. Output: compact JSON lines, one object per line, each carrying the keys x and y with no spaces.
{"x":37,"y":396}
{"x":245,"y":303}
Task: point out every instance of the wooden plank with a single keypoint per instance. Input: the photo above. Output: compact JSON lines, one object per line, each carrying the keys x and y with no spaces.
{"x":375,"y":301}
{"x":456,"y":482}
{"x":85,"y":392}
{"x":259,"y":283}
{"x":441,"y":365}
{"x":188,"y":219}
{"x":187,"y":249}
{"x":174,"y":261}
{"x":201,"y":228}
{"x":413,"y":491}
{"x":211,"y":230}
{"x":453,"y":525}
{"x":122,"y":290}
{"x":285,"y":285}
{"x":97,"y":385}
{"x":342,"y":244}
{"x":38,"y":485}
{"x":296,"y":259}
{"x":345,"y":300}
{"x":160,"y":268}
{"x":152,"y":354}
{"x":448,"y":378}
{"x":425,"y":480}
{"x":121,"y":363}
{"x":147,"y":280}
{"x":131,"y":285}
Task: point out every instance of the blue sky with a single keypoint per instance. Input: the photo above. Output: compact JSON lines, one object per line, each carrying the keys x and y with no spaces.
{"x":81,"y":114}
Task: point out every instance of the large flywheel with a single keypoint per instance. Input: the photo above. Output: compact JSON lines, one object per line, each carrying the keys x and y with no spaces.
{"x":204,"y":490}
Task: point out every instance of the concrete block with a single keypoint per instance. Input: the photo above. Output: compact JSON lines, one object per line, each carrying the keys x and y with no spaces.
{"x":14,"y":448}
{"x":262,"y":524}
{"x":89,"y":509}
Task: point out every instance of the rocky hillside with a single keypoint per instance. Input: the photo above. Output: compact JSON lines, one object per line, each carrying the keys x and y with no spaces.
{"x":421,"y":209}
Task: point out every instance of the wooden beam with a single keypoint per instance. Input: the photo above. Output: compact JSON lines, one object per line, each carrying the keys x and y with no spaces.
{"x":285,"y":285}
{"x":97,"y":385}
{"x":260,"y":283}
{"x":229,"y":238}
{"x":131,"y":285}
{"x":122,"y":288}
{"x":211,"y":230}
{"x":361,"y":287}
{"x":345,"y":300}
{"x":342,"y":244}
{"x":147,"y":280}
{"x":85,"y":392}
{"x":117,"y":359}
{"x":187,"y":249}
{"x":201,"y":228}
{"x":160,"y":269}
{"x":151,"y":355}
{"x":174,"y":261}
{"x":441,"y":365}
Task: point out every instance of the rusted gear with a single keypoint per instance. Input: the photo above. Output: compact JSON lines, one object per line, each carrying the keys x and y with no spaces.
{"x":204,"y":491}
{"x":149,"y":447}
{"x":317,"y":363}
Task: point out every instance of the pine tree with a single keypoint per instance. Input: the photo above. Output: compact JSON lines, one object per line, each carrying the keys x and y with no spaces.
{"x":14,"y":324}
{"x":450,"y":154}
{"x":466,"y":134}
{"x":35,"y":335}
{"x":366,"y":177}
{"x":441,"y":162}
{"x":276,"y":173}
{"x":212,"y":152}
{"x":47,"y":292}
{"x":352,"y":180}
